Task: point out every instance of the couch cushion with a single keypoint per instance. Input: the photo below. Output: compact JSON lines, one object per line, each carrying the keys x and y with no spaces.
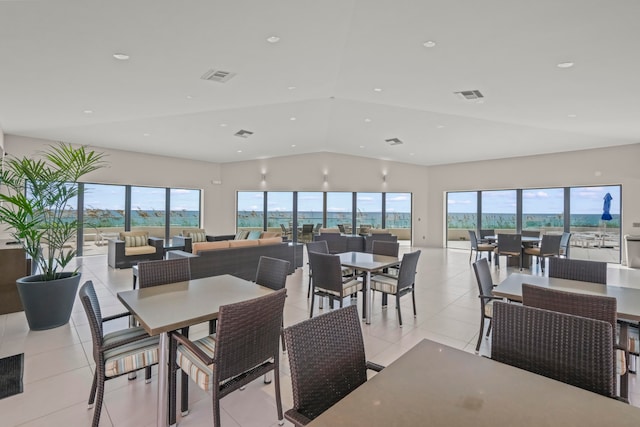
{"x":187,"y":232}
{"x":198,"y":237}
{"x":254,"y":235}
{"x":242,"y":243}
{"x":269,"y":234}
{"x":270,"y":241}
{"x":134,"y":238}
{"x":204,"y":246}
{"x":241,"y":235}
{"x":379,"y":231}
{"x":139,"y":250}
{"x":329,"y":231}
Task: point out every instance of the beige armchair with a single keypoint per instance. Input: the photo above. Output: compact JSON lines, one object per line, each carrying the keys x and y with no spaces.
{"x":132,"y":247}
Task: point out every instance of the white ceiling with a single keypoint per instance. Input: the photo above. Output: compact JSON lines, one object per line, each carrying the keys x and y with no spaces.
{"x":56,"y":62}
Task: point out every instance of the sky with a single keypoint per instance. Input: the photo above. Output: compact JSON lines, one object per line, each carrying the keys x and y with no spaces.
{"x":99,"y":196}
{"x":584,"y":200}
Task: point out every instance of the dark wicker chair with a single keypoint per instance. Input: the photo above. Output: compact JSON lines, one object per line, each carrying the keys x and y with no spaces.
{"x":154,"y":273}
{"x":327,"y":362}
{"x":244,"y":348}
{"x":479,"y":247}
{"x":575,"y":269}
{"x":484,"y":233}
{"x":321,"y":247}
{"x":402,"y":284}
{"x":509,"y":245}
{"x":485,"y":285}
{"x":272,"y":273}
{"x":592,"y":306}
{"x":328,"y":280}
{"x":115,"y":353}
{"x":572,"y":349}
{"x":306,"y":234}
{"x":381,"y":247}
{"x":564,"y":244}
{"x":550,"y":247}
{"x":531,"y":233}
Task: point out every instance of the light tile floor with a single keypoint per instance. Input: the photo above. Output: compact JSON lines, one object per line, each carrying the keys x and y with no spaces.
{"x":59,"y":363}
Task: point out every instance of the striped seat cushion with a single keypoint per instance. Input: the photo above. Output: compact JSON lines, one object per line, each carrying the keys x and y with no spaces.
{"x":621,"y":362}
{"x":488,"y":309}
{"x":131,"y":357}
{"x":349,"y":287}
{"x":198,"y":237}
{"x":385,"y":284}
{"x":199,"y":372}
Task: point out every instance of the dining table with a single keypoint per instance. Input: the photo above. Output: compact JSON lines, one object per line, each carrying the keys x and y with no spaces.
{"x":434,"y":384}
{"x":527,"y":241}
{"x":367,"y":263}
{"x":627,"y":300}
{"x":165,"y":308}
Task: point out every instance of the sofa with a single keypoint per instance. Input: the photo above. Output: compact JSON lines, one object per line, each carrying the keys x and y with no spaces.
{"x":238,"y":257}
{"x":190,"y":236}
{"x":339,"y":243}
{"x":132,"y":247}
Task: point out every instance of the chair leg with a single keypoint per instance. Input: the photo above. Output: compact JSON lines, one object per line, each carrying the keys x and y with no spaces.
{"x":384,"y":300}
{"x":99,"y":399}
{"x":398,"y":308}
{"x":489,"y":328}
{"x":172,"y":380}
{"x":92,"y":393}
{"x":470,"y":254}
{"x":309,"y":287}
{"x":313,"y":298}
{"x":184,"y":384}
{"x":276,"y":374}
{"x":216,"y":402}
{"x":481,"y":333}
{"x":147,"y":374}
{"x":413,"y":298}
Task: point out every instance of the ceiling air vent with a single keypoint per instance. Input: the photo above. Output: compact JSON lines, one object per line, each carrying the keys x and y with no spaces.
{"x":470,"y":95}
{"x":217,"y":76}
{"x":394,"y":141}
{"x":243,"y":133}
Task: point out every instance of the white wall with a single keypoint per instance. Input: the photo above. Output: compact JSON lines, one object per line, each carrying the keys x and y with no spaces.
{"x":295,"y":173}
{"x":605,"y":166}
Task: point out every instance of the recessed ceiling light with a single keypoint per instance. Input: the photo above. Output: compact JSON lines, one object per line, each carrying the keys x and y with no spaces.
{"x":411,"y":154}
{"x":377,"y":89}
{"x":440,"y":126}
{"x":429,"y":43}
{"x":367,"y":120}
{"x":239,"y":151}
{"x":291,"y":88}
{"x":293,"y":145}
{"x":292,"y":118}
{"x":480,"y":101}
{"x":362,"y":146}
{"x":565,"y":65}
{"x":189,"y":97}
{"x":223,"y":125}
{"x":121,"y":56}
{"x":146,"y":134}
{"x":573,"y":116}
{"x":88,"y":111}
{"x":273,"y":39}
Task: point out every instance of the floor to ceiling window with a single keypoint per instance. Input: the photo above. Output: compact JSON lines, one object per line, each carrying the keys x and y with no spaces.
{"x":148,"y":210}
{"x":462,"y":215}
{"x":184,"y":211}
{"x":340,"y":210}
{"x":311,"y":208}
{"x":590,"y":214}
{"x":397,"y":214}
{"x":250,"y":210}
{"x":104,"y":215}
{"x":369,"y":210}
{"x":279,"y":210}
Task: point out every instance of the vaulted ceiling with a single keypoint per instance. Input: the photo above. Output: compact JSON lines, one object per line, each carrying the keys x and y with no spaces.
{"x":344,"y":76}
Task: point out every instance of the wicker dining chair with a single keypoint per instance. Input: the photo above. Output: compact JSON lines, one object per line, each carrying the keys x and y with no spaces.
{"x":509,"y":245}
{"x":327,"y":362}
{"x":328,"y":281}
{"x":478,"y":246}
{"x":383,"y":247}
{"x":576,"y":269}
{"x":564,"y":244}
{"x":573,"y":349}
{"x":485,"y":286}
{"x":272,"y":273}
{"x":597,"y":307}
{"x":549,"y":247}
{"x":115,"y":353}
{"x":402,"y":284}
{"x":244,"y":348}
{"x":319,"y":246}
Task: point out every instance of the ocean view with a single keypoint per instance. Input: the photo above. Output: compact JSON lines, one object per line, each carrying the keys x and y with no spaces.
{"x":508,"y":221}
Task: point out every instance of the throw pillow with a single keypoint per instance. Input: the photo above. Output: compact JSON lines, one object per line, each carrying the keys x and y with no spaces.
{"x":254,"y":235}
{"x":242,"y":234}
{"x":198,"y":237}
{"x":135,"y":241}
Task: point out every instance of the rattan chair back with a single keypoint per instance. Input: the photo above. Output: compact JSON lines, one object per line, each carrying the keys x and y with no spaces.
{"x":510,"y":244}
{"x":382,"y":247}
{"x":473,"y":239}
{"x":486,"y":233}
{"x":327,"y":272}
{"x":407,"y":273}
{"x":576,"y":269}
{"x":573,"y":349}
{"x":319,"y":246}
{"x":550,"y":245}
{"x":89,"y":299}
{"x":483,"y":277}
{"x":326,"y":360}
{"x":162,"y":272}
{"x":531,"y":233}
{"x":272,"y":272}
{"x":564,"y":244}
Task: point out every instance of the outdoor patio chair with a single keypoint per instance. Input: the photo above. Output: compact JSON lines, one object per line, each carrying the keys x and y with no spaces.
{"x":328,"y":281}
{"x":485,"y":286}
{"x":576,"y":269}
{"x":550,"y":247}
{"x":479,"y":247}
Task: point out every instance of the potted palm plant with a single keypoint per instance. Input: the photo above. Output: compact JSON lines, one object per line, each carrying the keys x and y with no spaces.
{"x":36,"y":206}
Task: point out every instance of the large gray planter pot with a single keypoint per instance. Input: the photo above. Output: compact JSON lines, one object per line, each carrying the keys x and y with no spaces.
{"x":48,"y":304}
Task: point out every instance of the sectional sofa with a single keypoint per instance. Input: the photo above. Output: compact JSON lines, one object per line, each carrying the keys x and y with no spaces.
{"x":238,"y":257}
